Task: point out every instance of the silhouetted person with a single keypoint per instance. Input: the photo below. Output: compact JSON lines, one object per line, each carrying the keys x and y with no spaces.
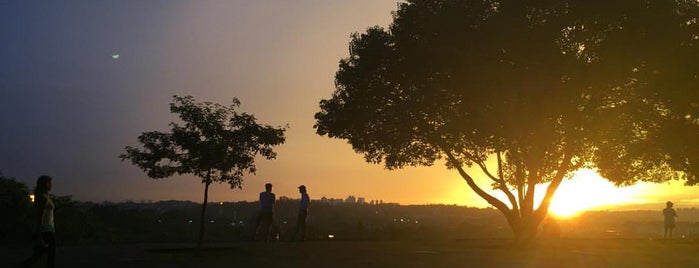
{"x":670,"y":215}
{"x":300,"y":230}
{"x":43,"y":227}
{"x":266,"y":217}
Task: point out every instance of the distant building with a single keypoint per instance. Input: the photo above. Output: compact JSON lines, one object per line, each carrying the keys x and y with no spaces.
{"x":349,"y":200}
{"x":336,"y":201}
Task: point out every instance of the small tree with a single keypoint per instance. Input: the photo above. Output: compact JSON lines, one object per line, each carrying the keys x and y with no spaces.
{"x":216,"y":143}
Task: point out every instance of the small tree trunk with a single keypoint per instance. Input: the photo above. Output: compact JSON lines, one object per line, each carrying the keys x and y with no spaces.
{"x":203,"y":212}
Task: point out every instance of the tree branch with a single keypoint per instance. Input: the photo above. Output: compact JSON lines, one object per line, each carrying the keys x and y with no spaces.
{"x":501,"y":184}
{"x":471,"y":183}
{"x":551,"y":189}
{"x":513,"y":199}
{"x":487,"y":172}
{"x":519,"y":179}
{"x":532,"y":180}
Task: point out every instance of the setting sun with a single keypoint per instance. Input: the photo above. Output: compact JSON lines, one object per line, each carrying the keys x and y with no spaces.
{"x":587,"y":190}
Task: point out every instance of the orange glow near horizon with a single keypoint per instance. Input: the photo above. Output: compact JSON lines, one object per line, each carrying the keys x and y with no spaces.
{"x":587,"y":190}
{"x":584,"y":191}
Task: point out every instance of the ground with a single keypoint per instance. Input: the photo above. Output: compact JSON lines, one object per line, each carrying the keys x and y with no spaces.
{"x":616,"y":253}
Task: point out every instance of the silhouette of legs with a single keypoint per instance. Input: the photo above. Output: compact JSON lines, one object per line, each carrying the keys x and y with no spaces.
{"x":300,"y":226}
{"x":264,"y":229}
{"x":669,"y":227}
{"x":49,"y":248}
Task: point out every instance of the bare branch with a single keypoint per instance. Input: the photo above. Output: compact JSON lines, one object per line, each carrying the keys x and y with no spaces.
{"x":563,"y":168}
{"x":471,"y":183}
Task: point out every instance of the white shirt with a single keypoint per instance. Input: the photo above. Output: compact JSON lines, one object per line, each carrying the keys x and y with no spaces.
{"x":47,"y":218}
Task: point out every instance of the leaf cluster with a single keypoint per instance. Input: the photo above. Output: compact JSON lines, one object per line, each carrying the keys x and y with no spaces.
{"x":212,"y":141}
{"x":606,"y":84}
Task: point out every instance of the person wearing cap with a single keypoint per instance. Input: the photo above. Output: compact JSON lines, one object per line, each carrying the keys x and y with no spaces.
{"x":300,"y":230}
{"x":670,"y":216}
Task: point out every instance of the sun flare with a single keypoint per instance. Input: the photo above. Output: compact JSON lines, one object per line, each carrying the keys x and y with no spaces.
{"x":586,"y":190}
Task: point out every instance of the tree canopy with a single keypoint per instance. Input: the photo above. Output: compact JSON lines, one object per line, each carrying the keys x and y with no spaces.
{"x":214,"y":142}
{"x":547,"y":87}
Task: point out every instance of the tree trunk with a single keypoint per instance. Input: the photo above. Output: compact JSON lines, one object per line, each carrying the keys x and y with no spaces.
{"x":526,"y":233}
{"x":203,"y":212}
{"x":524,"y":220}
{"x":524,"y":228}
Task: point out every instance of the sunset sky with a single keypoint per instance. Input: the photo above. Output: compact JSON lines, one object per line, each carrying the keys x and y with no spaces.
{"x":68,"y":107}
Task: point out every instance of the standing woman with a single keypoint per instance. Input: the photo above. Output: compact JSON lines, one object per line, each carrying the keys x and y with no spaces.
{"x":670,"y":214}
{"x":44,"y":239}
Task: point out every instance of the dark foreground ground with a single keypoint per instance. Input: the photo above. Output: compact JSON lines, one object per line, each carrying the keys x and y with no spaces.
{"x":335,"y":254}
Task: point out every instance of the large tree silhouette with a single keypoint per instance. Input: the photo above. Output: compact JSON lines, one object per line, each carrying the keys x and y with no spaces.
{"x":544,"y":87}
{"x":216,"y":143}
